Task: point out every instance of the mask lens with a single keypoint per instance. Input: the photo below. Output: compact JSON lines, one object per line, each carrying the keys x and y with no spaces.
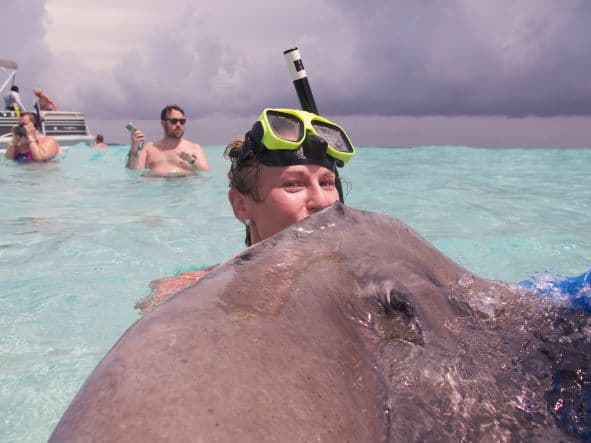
{"x":285,"y":126}
{"x":333,"y":135}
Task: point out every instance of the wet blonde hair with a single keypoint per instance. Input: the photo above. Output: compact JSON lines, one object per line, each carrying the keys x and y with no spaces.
{"x":243,"y":174}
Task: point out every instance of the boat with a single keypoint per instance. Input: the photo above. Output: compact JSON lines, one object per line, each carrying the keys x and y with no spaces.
{"x":67,"y":127}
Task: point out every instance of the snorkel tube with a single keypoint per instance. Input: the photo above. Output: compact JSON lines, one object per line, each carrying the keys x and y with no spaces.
{"x":300,"y":80}
{"x":302,"y":87}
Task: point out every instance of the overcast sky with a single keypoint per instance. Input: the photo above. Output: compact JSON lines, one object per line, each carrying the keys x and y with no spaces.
{"x":398,"y":73}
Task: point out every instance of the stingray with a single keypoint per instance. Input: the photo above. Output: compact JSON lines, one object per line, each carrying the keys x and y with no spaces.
{"x":345,"y":327}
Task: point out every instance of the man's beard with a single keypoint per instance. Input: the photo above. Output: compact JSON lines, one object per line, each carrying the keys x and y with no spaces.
{"x":172,"y":134}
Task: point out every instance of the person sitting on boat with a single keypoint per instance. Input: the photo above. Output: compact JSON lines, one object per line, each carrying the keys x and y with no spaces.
{"x":28,"y":144}
{"x":173,"y":154}
{"x":13,"y":102}
{"x":99,"y":142}
{"x":45,"y":101}
{"x":282,"y":171}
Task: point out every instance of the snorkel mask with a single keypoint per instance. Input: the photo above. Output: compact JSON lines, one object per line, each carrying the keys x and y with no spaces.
{"x":310,"y":137}
{"x":285,"y":137}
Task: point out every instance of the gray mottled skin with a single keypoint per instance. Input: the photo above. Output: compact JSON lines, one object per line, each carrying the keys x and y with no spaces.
{"x":346,"y":327}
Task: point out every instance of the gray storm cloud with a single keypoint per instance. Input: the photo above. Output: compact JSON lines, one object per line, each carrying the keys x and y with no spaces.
{"x":469,"y":58}
{"x":24,"y":25}
{"x":453,"y":58}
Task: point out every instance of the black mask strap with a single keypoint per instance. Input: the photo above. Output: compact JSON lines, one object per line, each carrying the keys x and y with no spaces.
{"x":339,"y":185}
{"x":312,"y":151}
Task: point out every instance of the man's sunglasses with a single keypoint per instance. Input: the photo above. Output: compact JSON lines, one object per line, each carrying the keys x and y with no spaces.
{"x":174,"y":121}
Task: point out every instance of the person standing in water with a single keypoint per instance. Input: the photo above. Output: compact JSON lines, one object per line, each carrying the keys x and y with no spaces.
{"x":171,"y":155}
{"x":99,"y":142}
{"x":28,"y":144}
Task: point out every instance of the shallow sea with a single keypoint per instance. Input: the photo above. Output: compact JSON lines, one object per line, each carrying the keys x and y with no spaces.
{"x":81,"y":238}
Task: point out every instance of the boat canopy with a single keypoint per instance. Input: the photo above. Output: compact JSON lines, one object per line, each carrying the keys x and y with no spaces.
{"x":8,"y":64}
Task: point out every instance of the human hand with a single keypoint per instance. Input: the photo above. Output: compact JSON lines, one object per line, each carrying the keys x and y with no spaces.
{"x":137,"y":140}
{"x":189,"y":158}
{"x":31,"y":130}
{"x":21,"y":132}
{"x":137,"y":135}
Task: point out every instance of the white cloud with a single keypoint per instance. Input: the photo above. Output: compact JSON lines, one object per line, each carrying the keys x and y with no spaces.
{"x":99,"y":33}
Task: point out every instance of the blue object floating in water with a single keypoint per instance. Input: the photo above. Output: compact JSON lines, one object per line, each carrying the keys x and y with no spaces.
{"x":577,"y":289}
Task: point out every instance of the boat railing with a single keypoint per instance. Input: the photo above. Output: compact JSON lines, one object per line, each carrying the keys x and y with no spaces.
{"x":56,"y":123}
{"x":8,"y":114}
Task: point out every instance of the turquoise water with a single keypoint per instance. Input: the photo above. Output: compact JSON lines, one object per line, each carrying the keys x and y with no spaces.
{"x":82,"y":238}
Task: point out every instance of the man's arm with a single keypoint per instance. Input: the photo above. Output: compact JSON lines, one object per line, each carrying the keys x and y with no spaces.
{"x":194,"y":155}
{"x":136,"y":157}
{"x":136,"y":160}
{"x":201,"y":161}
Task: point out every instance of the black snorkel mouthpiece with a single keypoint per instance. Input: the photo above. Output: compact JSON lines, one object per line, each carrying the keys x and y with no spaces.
{"x":312,"y":151}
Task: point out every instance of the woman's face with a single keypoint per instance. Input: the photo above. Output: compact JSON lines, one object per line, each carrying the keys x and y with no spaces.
{"x":287,"y":194}
{"x":22,"y":142}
